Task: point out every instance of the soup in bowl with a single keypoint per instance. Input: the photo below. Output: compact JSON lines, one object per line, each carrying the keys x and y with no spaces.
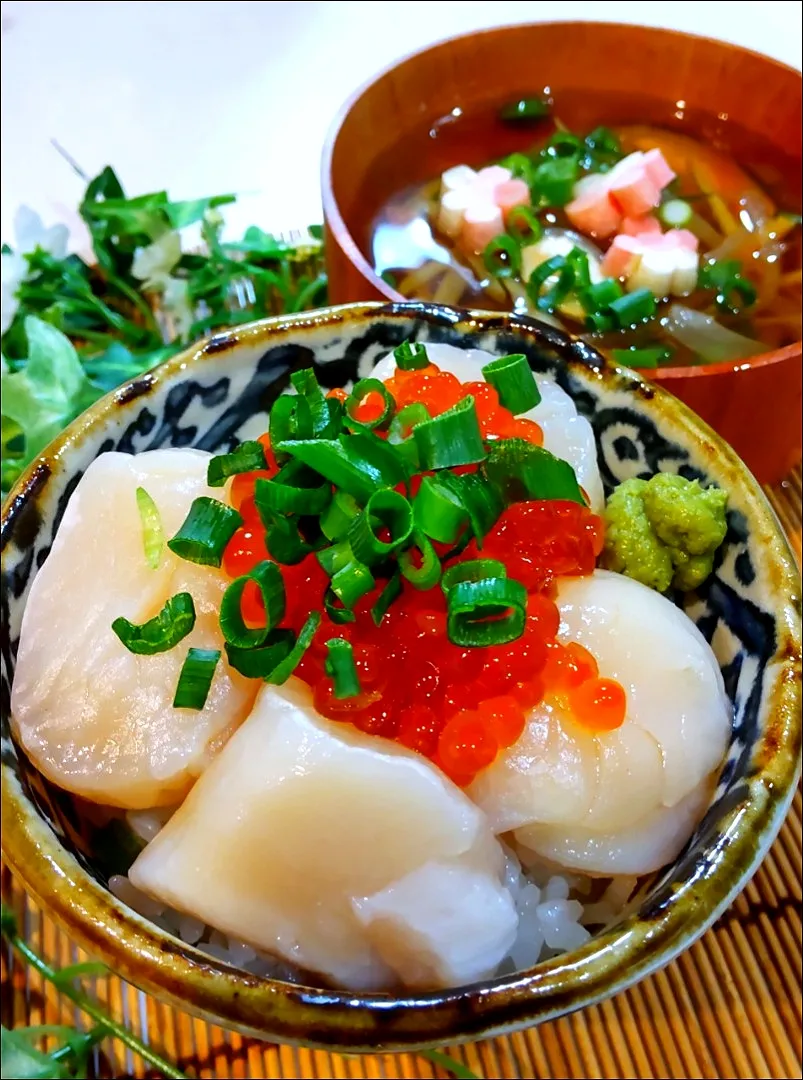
{"x":629,"y":194}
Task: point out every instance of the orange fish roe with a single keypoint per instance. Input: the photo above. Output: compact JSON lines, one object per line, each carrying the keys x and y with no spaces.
{"x":459,"y":707}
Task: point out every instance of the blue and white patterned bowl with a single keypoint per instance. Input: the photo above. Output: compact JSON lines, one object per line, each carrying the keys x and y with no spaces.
{"x":218,"y":392}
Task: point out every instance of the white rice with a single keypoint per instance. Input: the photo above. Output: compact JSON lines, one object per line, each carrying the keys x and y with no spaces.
{"x":554,"y":911}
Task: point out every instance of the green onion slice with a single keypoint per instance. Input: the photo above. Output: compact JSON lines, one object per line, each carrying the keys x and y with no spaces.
{"x":472,"y":570}
{"x":334,"y":558}
{"x":206,"y":531}
{"x":548,"y":301}
{"x":248,"y":457}
{"x":453,"y":438}
{"x":634,"y":307}
{"x":260,"y":662}
{"x":324,"y":420}
{"x":524,"y":226}
{"x":334,"y":609}
{"x":565,"y":144}
{"x":284,"y":539}
{"x":195,"y":679}
{"x":161,"y":633}
{"x":596,"y":298}
{"x":351,"y":583}
{"x":290,"y":418}
{"x":491,"y":611}
{"x":513,"y":379}
{"x":642,"y":358}
{"x":424,"y":573}
{"x":482,"y":501}
{"x":361,"y":391}
{"x":338,"y":515}
{"x":553,"y":181}
{"x":391,"y":592}
{"x":520,"y":471}
{"x":340,"y":667}
{"x":357,"y":464}
{"x":438,"y":510}
{"x":285,"y":668}
{"x":385,"y":510}
{"x":502,"y":256}
{"x":578,"y":260}
{"x":268,"y":578}
{"x":153,"y":537}
{"x":734,"y":293}
{"x":294,"y":490}
{"x":411,"y":356}
{"x":532,"y":108}
{"x":405,"y":420}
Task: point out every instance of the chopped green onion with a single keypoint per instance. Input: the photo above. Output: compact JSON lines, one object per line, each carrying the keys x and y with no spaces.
{"x":411,"y":356}
{"x":284,"y":539}
{"x":358,"y":464}
{"x":340,"y":667}
{"x":260,"y":662}
{"x":472,"y":570}
{"x":427,"y":572}
{"x":438,"y":511}
{"x":351,"y":583}
{"x":387,"y":510}
{"x":675,"y":213}
{"x":597,"y":297}
{"x":405,"y":420}
{"x":285,"y":668}
{"x":482,"y":501}
{"x":453,"y":438}
{"x":734,"y":292}
{"x":333,"y":607}
{"x":290,"y":418}
{"x":362,"y":390}
{"x":601,"y":321}
{"x":602,"y":150}
{"x":337,"y":516}
{"x":294,"y":490}
{"x":565,"y":144}
{"x":558,"y":266}
{"x":248,"y":457}
{"x":502,"y":256}
{"x":520,"y":165}
{"x":206,"y":531}
{"x":520,"y":471}
{"x":391,"y":592}
{"x":578,"y":260}
{"x":634,"y":307}
{"x":513,"y":379}
{"x":554,"y":179}
{"x":491,"y":611}
{"x":268,"y":578}
{"x":334,"y":558}
{"x":161,"y":633}
{"x":524,"y":226}
{"x":324,"y":419}
{"x":532,"y":108}
{"x":153,"y":537}
{"x":642,"y":358}
{"x":195,"y":679}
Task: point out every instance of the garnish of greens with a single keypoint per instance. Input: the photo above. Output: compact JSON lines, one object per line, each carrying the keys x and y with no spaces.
{"x":74,"y":329}
{"x":22,"y":1058}
{"x":344,"y":491}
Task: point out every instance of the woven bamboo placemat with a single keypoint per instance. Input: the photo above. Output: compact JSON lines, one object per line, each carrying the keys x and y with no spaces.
{"x":728,"y":1007}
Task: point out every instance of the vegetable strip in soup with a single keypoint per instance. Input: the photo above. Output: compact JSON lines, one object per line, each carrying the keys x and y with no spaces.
{"x":656,"y":247}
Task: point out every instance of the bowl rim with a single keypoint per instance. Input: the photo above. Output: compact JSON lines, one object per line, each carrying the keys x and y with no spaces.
{"x":336,"y":223}
{"x":158,"y":963}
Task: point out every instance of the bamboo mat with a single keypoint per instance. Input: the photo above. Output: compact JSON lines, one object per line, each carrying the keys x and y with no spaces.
{"x":728,"y":1007}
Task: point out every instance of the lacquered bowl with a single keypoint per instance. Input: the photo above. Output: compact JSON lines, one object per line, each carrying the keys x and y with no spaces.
{"x":209,"y":396}
{"x":405,"y":127}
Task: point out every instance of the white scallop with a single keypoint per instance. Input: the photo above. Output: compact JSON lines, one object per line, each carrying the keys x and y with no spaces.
{"x":337,"y":851}
{"x":95,"y":718}
{"x":566,"y":434}
{"x":623,"y":801}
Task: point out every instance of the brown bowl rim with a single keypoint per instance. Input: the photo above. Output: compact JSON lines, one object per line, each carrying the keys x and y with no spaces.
{"x":337,"y":224}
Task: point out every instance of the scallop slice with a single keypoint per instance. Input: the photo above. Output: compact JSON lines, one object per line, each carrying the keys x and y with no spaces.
{"x":301,"y":839}
{"x":95,"y":718}
{"x":622,"y":801}
{"x":566,"y":434}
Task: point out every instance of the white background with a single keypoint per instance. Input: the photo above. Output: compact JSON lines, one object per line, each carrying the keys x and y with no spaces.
{"x":204,"y":98}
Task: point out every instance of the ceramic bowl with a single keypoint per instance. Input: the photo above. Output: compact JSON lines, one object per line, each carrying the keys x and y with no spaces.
{"x":216,"y":392}
{"x":415,"y":120}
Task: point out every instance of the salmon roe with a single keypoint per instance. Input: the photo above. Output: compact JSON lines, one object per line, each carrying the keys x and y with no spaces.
{"x":459,"y":707}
